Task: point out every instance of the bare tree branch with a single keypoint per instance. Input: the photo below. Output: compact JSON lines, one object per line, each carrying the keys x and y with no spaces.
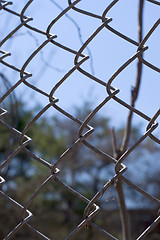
{"x":136,"y":88}
{"x":127,"y":133}
{"x":79,"y":34}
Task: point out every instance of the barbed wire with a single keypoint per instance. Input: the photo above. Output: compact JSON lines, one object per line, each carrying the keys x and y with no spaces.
{"x":85,"y":130}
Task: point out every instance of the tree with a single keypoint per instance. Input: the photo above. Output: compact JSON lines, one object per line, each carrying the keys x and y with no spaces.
{"x":51,"y":140}
{"x":82,"y":169}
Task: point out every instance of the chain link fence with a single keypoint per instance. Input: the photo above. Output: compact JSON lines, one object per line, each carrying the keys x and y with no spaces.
{"x":93,"y":207}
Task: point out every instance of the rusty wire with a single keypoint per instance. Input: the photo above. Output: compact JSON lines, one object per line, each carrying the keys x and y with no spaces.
{"x":92,"y":208}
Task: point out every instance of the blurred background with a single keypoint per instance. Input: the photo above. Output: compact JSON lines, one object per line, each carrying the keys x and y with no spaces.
{"x":57,"y":212}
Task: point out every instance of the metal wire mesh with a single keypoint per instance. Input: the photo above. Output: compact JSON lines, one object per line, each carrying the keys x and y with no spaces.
{"x":85,"y":129}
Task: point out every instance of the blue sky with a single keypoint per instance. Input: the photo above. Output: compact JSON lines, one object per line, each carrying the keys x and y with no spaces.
{"x":108,"y":52}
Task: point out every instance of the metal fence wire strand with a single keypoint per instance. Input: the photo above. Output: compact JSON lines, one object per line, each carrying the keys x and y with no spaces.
{"x":85,"y":129}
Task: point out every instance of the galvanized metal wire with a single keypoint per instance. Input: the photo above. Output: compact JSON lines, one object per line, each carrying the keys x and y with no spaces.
{"x":85,"y":129}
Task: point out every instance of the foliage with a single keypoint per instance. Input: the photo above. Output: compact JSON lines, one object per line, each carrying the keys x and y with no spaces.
{"x":83,"y":169}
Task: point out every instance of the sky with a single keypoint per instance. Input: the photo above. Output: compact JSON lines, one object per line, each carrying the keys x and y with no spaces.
{"x":107,"y":53}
